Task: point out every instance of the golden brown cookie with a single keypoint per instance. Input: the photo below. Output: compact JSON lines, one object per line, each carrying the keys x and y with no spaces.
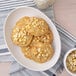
{"x":20,"y":37}
{"x":37,"y":26}
{"x":42,"y":52}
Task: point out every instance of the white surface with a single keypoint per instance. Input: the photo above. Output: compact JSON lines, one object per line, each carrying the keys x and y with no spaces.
{"x":73,"y":74}
{"x":15,"y":50}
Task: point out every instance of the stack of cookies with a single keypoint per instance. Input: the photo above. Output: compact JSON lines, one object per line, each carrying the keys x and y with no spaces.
{"x":34,"y":37}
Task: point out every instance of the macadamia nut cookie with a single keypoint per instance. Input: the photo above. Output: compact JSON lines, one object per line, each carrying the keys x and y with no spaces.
{"x":20,"y":37}
{"x":37,"y":26}
{"x":42,"y":52}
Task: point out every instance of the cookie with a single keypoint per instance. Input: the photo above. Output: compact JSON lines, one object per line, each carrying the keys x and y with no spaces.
{"x":42,"y":52}
{"x":20,"y":37}
{"x":37,"y":26}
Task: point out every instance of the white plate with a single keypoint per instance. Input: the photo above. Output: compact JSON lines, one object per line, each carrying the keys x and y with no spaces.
{"x":11,"y":20}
